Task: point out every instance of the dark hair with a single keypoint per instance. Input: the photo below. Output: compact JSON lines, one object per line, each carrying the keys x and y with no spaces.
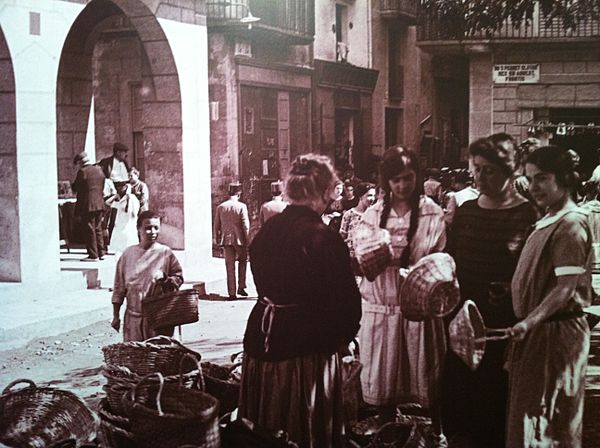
{"x":310,"y":177}
{"x":362,"y":189}
{"x":591,"y":187}
{"x":555,"y":160}
{"x":494,"y":152}
{"x":500,"y":137}
{"x":147,"y":214}
{"x":120,"y":147}
{"x":395,"y":160}
{"x":463,"y":176}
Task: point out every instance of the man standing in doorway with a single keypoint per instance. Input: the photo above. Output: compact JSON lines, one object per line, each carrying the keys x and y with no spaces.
{"x":231,"y":230}
{"x":274,"y":206}
{"x":88,"y":185}
{"x":116,"y":169}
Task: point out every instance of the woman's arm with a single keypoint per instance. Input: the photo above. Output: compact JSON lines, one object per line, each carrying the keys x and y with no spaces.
{"x":557,"y":299}
{"x":569,"y":250}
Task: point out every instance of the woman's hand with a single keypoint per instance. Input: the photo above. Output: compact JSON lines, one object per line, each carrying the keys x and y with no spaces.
{"x":116,"y":323}
{"x":518,"y":331}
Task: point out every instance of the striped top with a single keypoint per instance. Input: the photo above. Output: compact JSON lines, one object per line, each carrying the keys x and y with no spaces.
{"x":486,"y":244}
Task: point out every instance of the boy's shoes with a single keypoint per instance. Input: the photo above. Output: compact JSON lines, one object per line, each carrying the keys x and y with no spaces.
{"x":242,"y":292}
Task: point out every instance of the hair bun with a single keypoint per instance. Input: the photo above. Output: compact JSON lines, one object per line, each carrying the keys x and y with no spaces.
{"x":302,"y":166}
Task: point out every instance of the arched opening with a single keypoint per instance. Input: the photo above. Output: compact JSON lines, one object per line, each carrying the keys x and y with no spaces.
{"x":10,"y":249}
{"x":116,"y":57}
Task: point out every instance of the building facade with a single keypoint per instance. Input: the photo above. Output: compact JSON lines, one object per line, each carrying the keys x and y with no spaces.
{"x":80,"y":75}
{"x":536,"y":79}
{"x":343,"y":84}
{"x":260,"y":70}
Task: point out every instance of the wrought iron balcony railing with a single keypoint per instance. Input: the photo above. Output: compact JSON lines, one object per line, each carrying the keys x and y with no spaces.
{"x":398,"y":9}
{"x":433,"y":28}
{"x":291,"y":20}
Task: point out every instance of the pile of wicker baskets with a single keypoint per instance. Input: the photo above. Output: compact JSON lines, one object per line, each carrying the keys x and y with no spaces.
{"x":127,"y":364}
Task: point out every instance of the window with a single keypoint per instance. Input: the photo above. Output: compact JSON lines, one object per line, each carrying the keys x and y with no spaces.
{"x":341,"y":32}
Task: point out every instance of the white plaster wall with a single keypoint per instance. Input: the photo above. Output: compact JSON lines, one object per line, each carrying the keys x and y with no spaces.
{"x":189,"y":45}
{"x":358,"y":37}
{"x":35,"y":61}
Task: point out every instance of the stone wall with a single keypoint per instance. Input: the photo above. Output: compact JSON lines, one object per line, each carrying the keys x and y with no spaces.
{"x":569,"y":78}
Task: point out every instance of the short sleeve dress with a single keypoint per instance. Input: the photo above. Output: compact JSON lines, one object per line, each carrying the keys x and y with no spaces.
{"x":547,"y":368}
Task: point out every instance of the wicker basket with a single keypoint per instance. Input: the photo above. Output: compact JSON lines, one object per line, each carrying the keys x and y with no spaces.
{"x":221,"y":386}
{"x":159,"y":354}
{"x":43,"y":416}
{"x":169,"y":415}
{"x":430,"y":289}
{"x":373,"y":250}
{"x":171,"y":309}
{"x":468,"y":335}
{"x":115,"y":428}
{"x":120,"y":380}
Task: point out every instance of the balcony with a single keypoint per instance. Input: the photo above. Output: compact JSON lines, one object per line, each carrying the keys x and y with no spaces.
{"x":288,"y":21}
{"x":435,"y":33}
{"x":399,"y":10}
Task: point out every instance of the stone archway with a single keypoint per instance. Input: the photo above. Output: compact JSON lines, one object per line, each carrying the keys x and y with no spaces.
{"x":10,"y":249}
{"x":117,"y":53}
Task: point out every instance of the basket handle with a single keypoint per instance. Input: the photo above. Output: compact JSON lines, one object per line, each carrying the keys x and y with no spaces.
{"x":163,"y":340}
{"x":495,"y":334}
{"x":15,"y":382}
{"x":198,"y":365}
{"x":161,"y":385}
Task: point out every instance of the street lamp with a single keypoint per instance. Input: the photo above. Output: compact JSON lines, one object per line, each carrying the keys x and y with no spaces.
{"x":246,"y":20}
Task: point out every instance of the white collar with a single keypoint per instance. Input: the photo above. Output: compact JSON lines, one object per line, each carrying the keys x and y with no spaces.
{"x":545,"y":221}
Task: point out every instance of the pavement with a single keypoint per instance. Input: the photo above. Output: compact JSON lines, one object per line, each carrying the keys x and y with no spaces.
{"x":81,"y":296}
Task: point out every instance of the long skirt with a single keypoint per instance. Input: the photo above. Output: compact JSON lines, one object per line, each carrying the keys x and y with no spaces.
{"x":302,"y":396}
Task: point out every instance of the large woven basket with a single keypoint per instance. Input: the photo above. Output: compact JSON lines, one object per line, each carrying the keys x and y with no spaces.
{"x":171,"y":309}
{"x":169,"y":415}
{"x":120,"y":380}
{"x":159,"y":354}
{"x":115,"y":428}
{"x":41,"y":417}
{"x":221,"y":385}
{"x":430,"y":289}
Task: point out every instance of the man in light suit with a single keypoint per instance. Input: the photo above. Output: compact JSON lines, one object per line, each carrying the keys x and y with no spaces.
{"x":273,"y":207}
{"x":231,"y":230}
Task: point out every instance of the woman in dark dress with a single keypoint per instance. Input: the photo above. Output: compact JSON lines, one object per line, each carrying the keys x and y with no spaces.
{"x":308,"y":308}
{"x":487,"y":237}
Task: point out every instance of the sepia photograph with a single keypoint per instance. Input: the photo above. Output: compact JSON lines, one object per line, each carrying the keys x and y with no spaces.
{"x":299,"y":223}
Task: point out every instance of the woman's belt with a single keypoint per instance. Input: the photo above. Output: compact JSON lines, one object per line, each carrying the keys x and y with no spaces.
{"x":268,"y":316}
{"x":565,"y":315}
{"x":368,"y":307}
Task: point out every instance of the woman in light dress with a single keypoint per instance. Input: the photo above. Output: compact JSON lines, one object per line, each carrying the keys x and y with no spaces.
{"x":550,"y":288}
{"x":401,"y":359}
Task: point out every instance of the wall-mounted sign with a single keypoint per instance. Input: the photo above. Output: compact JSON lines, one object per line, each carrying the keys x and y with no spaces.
{"x":516,"y":73}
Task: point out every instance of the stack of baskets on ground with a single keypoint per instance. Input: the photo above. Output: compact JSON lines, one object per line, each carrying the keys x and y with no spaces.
{"x":161,"y":371}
